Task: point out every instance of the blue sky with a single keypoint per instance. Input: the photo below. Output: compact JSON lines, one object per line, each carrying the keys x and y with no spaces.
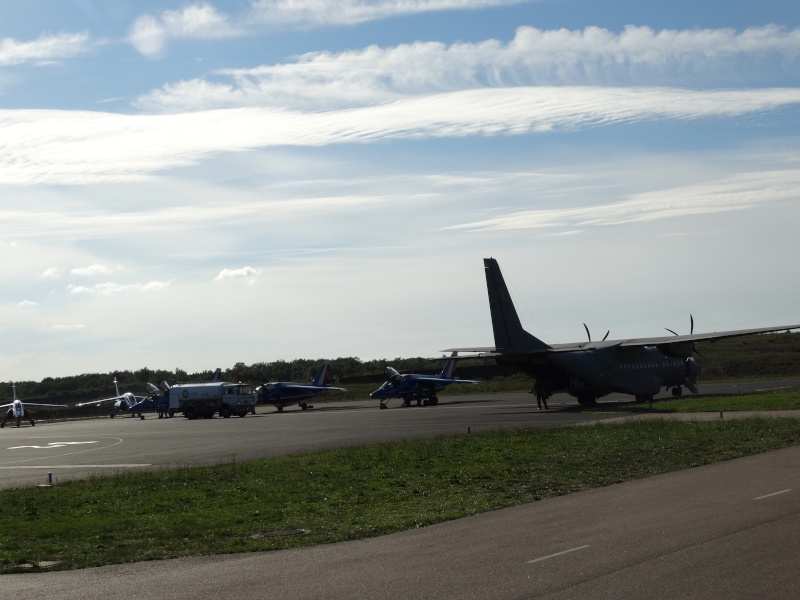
{"x":191,"y":185}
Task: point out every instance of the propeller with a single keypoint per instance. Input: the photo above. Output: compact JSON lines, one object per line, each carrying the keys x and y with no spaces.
{"x":692,"y":368}
{"x":589,"y":335}
{"x":691,"y":326}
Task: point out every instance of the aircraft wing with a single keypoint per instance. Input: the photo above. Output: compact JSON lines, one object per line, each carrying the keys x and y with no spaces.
{"x":36,"y":404}
{"x":100,"y":402}
{"x":435,"y":379}
{"x":703,"y":337}
{"x":311,"y":388}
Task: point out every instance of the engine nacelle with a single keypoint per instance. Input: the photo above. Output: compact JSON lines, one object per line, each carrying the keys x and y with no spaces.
{"x":677,"y":350}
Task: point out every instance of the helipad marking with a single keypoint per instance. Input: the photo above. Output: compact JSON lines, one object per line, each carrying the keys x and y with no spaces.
{"x":51,"y":445}
{"x":772,"y":494}
{"x":535,"y":560}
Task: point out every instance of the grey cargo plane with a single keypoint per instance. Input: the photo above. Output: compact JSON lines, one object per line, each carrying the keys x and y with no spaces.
{"x":589,"y":370}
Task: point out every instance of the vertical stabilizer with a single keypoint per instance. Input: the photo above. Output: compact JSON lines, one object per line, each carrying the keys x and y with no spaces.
{"x":508,"y":332}
{"x":322,"y":375}
{"x":449,"y":367}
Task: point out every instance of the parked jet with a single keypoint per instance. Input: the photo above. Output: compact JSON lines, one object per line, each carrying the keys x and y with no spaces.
{"x":590,"y":370}
{"x":422,"y":388}
{"x":18,"y":410}
{"x":119,"y":404}
{"x":285,"y":393}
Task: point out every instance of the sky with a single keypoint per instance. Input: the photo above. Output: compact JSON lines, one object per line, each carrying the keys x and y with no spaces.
{"x":190,"y":185}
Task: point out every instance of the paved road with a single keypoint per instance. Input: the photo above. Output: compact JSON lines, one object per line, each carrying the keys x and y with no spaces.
{"x":78,"y":449}
{"x":729,"y":530}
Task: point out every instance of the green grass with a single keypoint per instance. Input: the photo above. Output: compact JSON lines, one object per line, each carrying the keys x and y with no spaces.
{"x":788,"y":399}
{"x":351,"y":493}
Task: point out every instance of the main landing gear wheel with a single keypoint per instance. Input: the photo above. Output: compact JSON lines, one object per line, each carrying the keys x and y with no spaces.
{"x":677,"y":391}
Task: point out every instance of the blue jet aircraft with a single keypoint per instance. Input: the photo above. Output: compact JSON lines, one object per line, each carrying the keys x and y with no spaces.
{"x":285,"y":393}
{"x":589,"y":370}
{"x":18,"y":410}
{"x":422,"y":388}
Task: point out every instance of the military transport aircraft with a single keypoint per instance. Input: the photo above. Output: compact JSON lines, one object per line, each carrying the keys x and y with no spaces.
{"x":590,"y":370}
{"x":422,"y":388}
{"x":18,"y":410}
{"x":285,"y":393}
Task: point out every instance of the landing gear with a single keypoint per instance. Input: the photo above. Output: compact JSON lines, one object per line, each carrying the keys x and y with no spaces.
{"x":33,"y":422}
{"x":677,"y":391}
{"x":305,"y":406}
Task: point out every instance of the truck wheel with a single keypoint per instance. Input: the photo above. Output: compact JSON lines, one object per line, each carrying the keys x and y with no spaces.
{"x":225,"y":412}
{"x":190,"y":412}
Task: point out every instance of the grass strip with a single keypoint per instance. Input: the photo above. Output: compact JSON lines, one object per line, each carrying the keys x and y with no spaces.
{"x":350,"y":493}
{"x":787,"y":399}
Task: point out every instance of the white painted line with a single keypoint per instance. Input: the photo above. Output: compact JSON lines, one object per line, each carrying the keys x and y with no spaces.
{"x":51,"y":445}
{"x":535,"y":560}
{"x":122,"y":466}
{"x":772,"y":494}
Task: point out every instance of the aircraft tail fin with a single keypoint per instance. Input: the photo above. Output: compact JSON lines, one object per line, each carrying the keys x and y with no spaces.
{"x":449,"y":367}
{"x":321,"y":377}
{"x":508,"y":331}
{"x":215,"y":374}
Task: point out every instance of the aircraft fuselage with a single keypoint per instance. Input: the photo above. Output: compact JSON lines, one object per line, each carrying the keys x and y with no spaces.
{"x":593,"y":373}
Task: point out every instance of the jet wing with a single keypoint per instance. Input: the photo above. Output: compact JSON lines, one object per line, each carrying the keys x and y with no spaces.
{"x":100,"y":402}
{"x":702,"y":337}
{"x":311,"y":388}
{"x":435,"y":379}
{"x":35,"y":404}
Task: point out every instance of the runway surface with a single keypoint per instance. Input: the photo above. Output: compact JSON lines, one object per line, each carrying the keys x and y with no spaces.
{"x":729,"y":530}
{"x":88,"y":447}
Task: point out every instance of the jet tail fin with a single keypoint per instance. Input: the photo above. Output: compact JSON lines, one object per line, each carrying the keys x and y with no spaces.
{"x":508,"y":332}
{"x":449,"y":366}
{"x":321,"y":377}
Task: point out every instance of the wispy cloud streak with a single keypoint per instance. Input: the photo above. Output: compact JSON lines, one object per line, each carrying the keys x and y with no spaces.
{"x":46,"y":49}
{"x":592,"y":56}
{"x":740,"y":192}
{"x":39,"y":147}
{"x":313,"y":13}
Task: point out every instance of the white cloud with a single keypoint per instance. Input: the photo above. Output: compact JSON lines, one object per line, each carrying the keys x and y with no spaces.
{"x":311,"y":13}
{"x":51,"y":273}
{"x":241,"y":273}
{"x":27,"y":304}
{"x":92,"y":270}
{"x":116,"y":288}
{"x":149,"y":34}
{"x":71,"y":147}
{"x":46,"y":49}
{"x":594,"y":56}
{"x":737,"y":192}
{"x":198,"y":21}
